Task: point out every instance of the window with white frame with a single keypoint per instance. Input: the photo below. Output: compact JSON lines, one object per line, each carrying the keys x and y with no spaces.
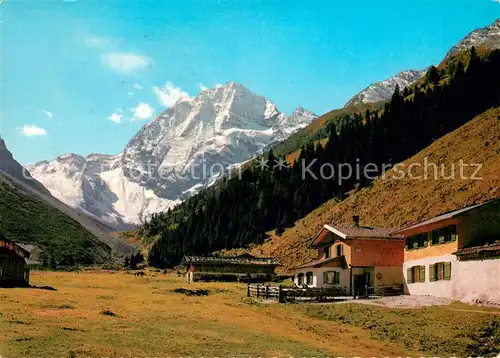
{"x":300,"y":279}
{"x":327,"y":252}
{"x":339,"y":250}
{"x":331,"y":277}
{"x":440,"y":271}
{"x":309,"y":278}
{"x":415,"y":274}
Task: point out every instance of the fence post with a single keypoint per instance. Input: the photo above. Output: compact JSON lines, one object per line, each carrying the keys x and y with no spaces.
{"x":267,"y":292}
{"x":257,"y":291}
{"x":248,"y":290}
{"x":280,"y":294}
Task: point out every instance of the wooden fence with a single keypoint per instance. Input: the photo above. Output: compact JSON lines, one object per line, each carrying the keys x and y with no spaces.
{"x":264,"y":291}
{"x":291,"y":294}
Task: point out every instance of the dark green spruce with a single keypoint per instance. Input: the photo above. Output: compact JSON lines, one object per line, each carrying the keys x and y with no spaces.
{"x":238,"y":212}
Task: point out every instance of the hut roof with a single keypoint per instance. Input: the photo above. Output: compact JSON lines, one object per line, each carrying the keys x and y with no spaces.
{"x":12,"y":246}
{"x":236,"y":260}
{"x":479,"y":252}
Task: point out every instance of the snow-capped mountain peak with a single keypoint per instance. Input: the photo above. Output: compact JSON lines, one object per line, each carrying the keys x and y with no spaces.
{"x":381,"y":91}
{"x":488,"y":36}
{"x":175,"y":155}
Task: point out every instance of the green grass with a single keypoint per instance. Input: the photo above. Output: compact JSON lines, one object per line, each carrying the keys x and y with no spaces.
{"x":149,"y":316}
{"x":455,"y":330}
{"x":28,"y":220}
{"x":116,"y":314}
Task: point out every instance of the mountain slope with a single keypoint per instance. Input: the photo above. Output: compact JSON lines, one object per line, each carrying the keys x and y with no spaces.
{"x":488,"y":36}
{"x":240,"y":211}
{"x":10,"y":166}
{"x":182,"y":150}
{"x":399,"y":203}
{"x":26,"y":219}
{"x":30,"y":214}
{"x":381,"y":91}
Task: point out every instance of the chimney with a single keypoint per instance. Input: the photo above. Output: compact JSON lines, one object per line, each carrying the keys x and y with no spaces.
{"x":355,"y":220}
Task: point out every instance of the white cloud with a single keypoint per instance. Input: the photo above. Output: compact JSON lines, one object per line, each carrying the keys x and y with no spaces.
{"x":138,"y":86}
{"x":115,"y":117}
{"x":218,"y":85}
{"x":168,"y":95}
{"x":33,"y":130}
{"x":48,"y":113}
{"x":142,"y":111}
{"x":124,"y":62}
{"x":96,"y":41}
{"x":202,"y":87}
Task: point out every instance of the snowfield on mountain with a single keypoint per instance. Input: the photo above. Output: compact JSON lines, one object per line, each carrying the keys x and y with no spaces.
{"x":383,"y":90}
{"x":172,"y":157}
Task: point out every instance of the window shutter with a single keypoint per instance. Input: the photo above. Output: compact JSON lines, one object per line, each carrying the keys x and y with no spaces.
{"x":325,"y":277}
{"x":409,"y":276}
{"x":425,"y":235}
{"x":432,"y":273}
{"x":454,"y":235}
{"x":435,"y":237}
{"x":422,"y":273}
{"x":447,"y":271}
{"x":337,"y":278}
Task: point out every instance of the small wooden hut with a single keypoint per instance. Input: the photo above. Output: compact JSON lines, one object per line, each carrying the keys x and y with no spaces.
{"x":14,"y":269}
{"x":235,"y":268}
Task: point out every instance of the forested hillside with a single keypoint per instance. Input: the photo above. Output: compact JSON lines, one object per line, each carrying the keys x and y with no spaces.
{"x":404,"y":202}
{"x":239,"y":212}
{"x":26,"y":219}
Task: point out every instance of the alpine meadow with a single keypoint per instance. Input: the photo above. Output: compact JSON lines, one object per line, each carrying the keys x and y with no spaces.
{"x":228,"y":179}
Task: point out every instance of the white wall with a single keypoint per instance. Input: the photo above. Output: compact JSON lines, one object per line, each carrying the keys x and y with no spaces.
{"x":318,"y":276}
{"x":441,"y":288}
{"x":477,"y":281}
{"x":470,"y":280}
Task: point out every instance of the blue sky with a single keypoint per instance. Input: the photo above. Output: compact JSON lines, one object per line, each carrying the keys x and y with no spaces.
{"x":84,"y":76}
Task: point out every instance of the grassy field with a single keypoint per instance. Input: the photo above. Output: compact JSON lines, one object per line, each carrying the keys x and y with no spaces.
{"x":117,"y":314}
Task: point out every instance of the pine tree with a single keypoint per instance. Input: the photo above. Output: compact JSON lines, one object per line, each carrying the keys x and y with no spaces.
{"x":432,"y":75}
{"x":236,"y":212}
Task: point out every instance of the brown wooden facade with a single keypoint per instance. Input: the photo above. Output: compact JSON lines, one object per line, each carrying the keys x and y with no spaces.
{"x":14,"y":270}
{"x":236,"y":268}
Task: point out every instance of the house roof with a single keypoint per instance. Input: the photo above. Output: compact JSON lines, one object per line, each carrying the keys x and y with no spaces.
{"x":445,"y":216}
{"x":12,"y":246}
{"x":354,"y":232}
{"x":478,"y":252}
{"x":236,"y":260}
{"x":320,"y":262}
